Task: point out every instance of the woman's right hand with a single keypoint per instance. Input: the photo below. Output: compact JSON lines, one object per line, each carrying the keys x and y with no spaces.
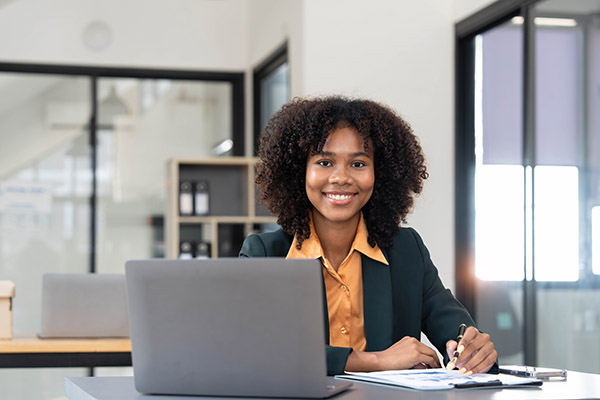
{"x":407,"y":353}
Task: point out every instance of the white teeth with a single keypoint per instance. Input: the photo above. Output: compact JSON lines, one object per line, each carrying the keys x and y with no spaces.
{"x":339,"y":196}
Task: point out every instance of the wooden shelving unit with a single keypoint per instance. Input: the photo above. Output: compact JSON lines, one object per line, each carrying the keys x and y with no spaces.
{"x":232,"y":200}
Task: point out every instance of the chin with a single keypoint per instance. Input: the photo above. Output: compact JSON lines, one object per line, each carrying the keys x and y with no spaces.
{"x":334,"y":217}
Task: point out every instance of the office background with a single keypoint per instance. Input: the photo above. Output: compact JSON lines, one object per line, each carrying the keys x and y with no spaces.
{"x":398,"y":52}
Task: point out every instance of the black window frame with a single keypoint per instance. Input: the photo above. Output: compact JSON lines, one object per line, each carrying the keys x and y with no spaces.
{"x":260,"y":72}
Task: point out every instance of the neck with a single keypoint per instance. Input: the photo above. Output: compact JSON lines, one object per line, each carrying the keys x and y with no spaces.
{"x":336,"y":238}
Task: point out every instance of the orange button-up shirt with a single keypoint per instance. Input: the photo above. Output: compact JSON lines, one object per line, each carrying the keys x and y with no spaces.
{"x":344,"y":287}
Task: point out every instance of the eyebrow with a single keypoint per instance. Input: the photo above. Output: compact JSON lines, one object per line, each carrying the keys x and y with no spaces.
{"x":358,"y":154}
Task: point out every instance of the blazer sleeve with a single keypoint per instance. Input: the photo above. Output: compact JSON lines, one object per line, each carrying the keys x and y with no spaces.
{"x":442,"y":313}
{"x":337,"y":357}
{"x":255,"y":246}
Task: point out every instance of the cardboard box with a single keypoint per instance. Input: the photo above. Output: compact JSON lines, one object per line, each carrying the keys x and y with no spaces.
{"x":7,"y":292}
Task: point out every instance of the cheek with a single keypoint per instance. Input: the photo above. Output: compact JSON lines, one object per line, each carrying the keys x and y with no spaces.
{"x":309,"y":186}
{"x":367,"y":183}
{"x":311,"y":189}
{"x":312,"y":179}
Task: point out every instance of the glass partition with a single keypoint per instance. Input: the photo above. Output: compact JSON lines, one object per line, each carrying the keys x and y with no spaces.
{"x":528,"y":160}
{"x":45,"y":187}
{"x":45,"y":184}
{"x":500,"y":187}
{"x":566,"y":183}
{"x":142,"y":124}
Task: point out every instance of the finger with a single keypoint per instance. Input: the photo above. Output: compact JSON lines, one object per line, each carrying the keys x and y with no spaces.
{"x":435,"y":362}
{"x":431,"y":360}
{"x":479,"y":357}
{"x":428,"y":355}
{"x":451,"y":348}
{"x":451,"y":345}
{"x":471,"y":346}
{"x":416,"y":345}
{"x":411,"y":339}
{"x":485,"y":365}
{"x":470,"y":334}
{"x":491,"y":361}
{"x":413,"y":352}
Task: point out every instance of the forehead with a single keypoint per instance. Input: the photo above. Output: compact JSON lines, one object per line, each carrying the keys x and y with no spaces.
{"x":347,"y":139}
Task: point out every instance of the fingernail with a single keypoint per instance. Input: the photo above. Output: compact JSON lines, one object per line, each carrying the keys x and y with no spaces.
{"x":460,"y":348}
{"x":462,"y":370}
{"x":469,"y":373}
{"x":450,"y":365}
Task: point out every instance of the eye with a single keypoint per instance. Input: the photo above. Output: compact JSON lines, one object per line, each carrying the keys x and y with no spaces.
{"x":324,"y":163}
{"x":358,"y":164}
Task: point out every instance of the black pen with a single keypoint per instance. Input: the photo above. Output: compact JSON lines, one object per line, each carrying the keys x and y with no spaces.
{"x":461,"y":332}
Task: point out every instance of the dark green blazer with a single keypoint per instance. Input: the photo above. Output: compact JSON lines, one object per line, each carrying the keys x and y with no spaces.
{"x":401,"y":299}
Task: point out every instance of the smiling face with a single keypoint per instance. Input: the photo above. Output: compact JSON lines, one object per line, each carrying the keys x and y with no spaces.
{"x":340,"y":179}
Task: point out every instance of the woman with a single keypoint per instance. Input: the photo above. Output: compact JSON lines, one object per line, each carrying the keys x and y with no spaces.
{"x":341,"y":175}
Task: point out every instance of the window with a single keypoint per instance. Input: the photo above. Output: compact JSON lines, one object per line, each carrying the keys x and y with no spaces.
{"x":501,"y":204}
{"x":528,"y":178}
{"x":271,"y":89}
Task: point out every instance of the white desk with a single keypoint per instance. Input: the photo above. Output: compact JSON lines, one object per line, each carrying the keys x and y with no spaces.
{"x":577,"y":386}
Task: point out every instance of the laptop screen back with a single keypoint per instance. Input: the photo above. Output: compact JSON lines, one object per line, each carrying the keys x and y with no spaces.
{"x":227,"y":327}
{"x":84,"y":305}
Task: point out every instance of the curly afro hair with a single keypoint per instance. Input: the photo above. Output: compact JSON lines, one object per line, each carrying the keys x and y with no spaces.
{"x":302,"y":127}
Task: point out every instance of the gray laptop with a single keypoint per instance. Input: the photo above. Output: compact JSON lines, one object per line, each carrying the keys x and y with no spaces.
{"x":84,"y":305}
{"x":228,"y":327}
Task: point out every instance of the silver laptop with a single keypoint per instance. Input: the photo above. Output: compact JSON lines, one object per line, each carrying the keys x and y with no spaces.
{"x":84,"y":305}
{"x":228,"y":327}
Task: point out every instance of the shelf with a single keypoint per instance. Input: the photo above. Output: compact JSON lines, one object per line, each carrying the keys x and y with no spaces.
{"x":232,"y":211}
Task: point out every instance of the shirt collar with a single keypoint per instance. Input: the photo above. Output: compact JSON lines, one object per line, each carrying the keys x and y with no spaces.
{"x":311,"y":247}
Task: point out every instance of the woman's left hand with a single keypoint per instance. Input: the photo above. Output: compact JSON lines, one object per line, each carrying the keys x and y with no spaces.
{"x":478,"y":354}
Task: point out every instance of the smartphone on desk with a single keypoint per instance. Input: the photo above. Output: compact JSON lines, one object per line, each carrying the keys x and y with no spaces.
{"x":534,"y":372}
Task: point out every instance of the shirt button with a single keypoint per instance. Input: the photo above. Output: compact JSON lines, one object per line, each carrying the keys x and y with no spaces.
{"x":343,"y":330}
{"x":343,"y":287}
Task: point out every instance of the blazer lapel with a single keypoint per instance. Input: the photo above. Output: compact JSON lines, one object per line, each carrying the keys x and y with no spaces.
{"x":377,"y":299}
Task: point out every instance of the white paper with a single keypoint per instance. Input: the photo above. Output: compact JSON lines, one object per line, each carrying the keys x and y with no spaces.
{"x":432,"y":379}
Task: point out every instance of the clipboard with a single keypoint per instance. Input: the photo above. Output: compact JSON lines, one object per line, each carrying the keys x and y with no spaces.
{"x":440,"y":379}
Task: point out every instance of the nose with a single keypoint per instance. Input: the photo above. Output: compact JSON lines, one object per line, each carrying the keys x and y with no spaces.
{"x":340,"y":176}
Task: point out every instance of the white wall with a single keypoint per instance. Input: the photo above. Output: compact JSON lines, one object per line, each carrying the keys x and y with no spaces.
{"x":179,"y":34}
{"x":464,"y":8}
